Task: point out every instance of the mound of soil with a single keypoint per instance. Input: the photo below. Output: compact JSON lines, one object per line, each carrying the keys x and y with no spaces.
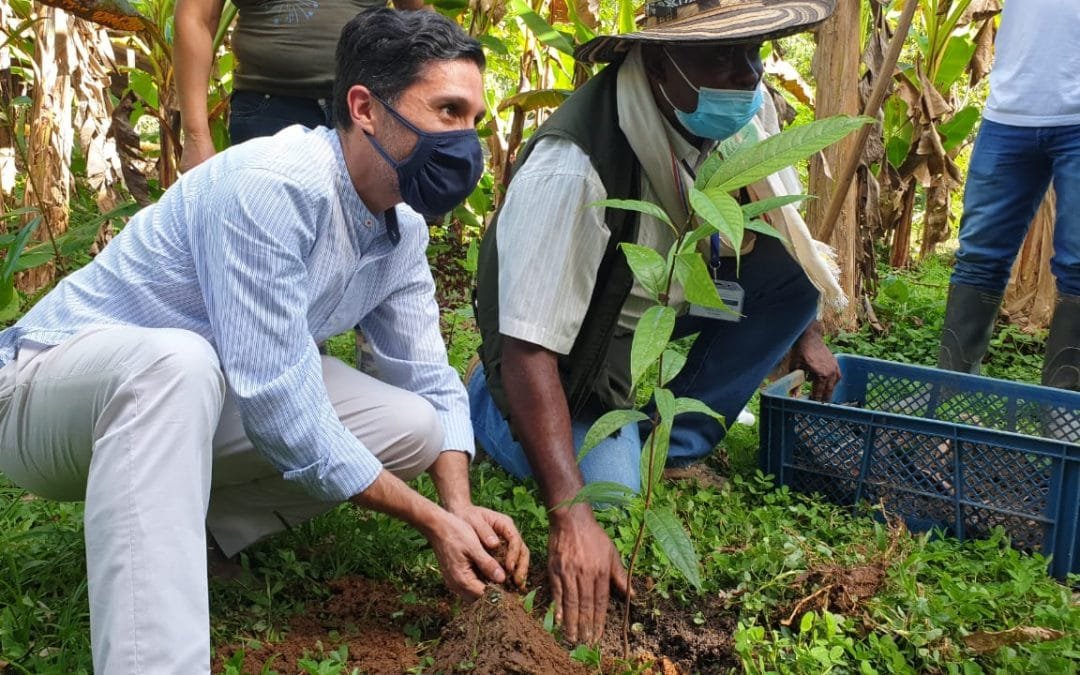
{"x":492,"y":636}
{"x":676,"y":638}
{"x":495,"y":635}
{"x":369,"y":617}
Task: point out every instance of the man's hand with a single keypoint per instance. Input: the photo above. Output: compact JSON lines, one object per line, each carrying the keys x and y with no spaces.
{"x":456,"y":542}
{"x":811,"y":354}
{"x":492,"y":528}
{"x":450,"y":473}
{"x":582,"y":564}
{"x":461,"y":556}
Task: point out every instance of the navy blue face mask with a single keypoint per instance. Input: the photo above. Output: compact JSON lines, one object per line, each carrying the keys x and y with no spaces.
{"x":440,"y":172}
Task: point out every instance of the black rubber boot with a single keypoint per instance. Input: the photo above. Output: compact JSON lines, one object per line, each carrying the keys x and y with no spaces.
{"x":1061,"y":366}
{"x":969,"y":322}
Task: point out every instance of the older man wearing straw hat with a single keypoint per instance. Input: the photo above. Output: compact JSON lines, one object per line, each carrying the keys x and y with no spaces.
{"x":557,"y":304}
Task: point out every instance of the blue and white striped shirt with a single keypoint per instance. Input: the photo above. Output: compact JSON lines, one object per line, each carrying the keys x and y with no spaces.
{"x":265,"y":250}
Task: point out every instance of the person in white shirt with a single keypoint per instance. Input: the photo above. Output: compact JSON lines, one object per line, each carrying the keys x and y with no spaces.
{"x":175,"y":385}
{"x":1029,"y":139}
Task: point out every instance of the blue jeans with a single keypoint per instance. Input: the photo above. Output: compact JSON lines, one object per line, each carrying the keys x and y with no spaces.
{"x":253,"y":114}
{"x":724,"y":367}
{"x":1011,"y":168}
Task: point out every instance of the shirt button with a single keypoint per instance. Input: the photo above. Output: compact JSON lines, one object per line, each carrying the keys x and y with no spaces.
{"x":368,"y":222}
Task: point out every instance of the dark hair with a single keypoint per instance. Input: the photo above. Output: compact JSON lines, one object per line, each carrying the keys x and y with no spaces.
{"x":385,"y":50}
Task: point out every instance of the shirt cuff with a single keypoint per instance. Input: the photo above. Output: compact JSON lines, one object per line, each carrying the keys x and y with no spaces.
{"x":458,"y":434}
{"x":338,"y":475}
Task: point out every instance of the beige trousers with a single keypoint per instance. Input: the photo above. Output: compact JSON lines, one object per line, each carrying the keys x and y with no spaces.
{"x":138,"y":423}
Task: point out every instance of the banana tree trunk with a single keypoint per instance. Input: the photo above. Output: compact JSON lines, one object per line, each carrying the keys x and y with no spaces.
{"x":91,"y":68}
{"x":51,"y":135}
{"x":1030,"y":295}
{"x":8,"y":166}
{"x":836,"y":69}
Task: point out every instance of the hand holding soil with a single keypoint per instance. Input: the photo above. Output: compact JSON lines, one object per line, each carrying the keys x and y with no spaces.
{"x":500,"y":537}
{"x":461,"y":556}
{"x":582,"y":564}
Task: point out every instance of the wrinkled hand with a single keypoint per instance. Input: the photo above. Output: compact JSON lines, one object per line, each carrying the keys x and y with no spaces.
{"x":197,"y":149}
{"x":811,"y":354}
{"x":582,"y":564}
{"x":461,"y":556}
{"x":493,"y":528}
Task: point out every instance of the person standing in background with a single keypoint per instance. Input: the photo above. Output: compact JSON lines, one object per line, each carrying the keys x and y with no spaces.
{"x":285,"y":65}
{"x":1030,"y":136}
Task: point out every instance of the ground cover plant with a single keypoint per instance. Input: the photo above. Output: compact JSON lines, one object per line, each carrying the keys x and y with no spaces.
{"x":788,"y":584}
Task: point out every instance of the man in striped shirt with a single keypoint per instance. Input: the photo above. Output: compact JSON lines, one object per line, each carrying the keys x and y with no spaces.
{"x":174,"y":384}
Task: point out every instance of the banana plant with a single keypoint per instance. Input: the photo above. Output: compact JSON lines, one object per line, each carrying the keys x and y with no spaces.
{"x":926,"y":123}
{"x":713,"y":210}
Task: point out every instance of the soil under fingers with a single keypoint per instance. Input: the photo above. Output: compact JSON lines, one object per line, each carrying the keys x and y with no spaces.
{"x":495,"y":636}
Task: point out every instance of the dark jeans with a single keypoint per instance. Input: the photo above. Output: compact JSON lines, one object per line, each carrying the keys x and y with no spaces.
{"x":724,"y":368}
{"x":253,"y":114}
{"x":1010,"y":169}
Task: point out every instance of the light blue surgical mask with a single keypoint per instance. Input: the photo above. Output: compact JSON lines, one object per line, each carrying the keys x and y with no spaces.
{"x":720,"y":112}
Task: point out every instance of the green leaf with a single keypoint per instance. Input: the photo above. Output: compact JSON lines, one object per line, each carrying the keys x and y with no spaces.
{"x":625,"y":17}
{"x":692,"y":405}
{"x":696,"y":281}
{"x":650,"y":339}
{"x":956,"y":130}
{"x":657,"y":444}
{"x":689,"y":242}
{"x":493,"y":44}
{"x":536,"y":99}
{"x":528,"y":601}
{"x":9,"y":300}
{"x":751,"y":163}
{"x":648,"y":266}
{"x":675,"y":543}
{"x":674,"y":361}
{"x":665,"y":403}
{"x":954,"y":62}
{"x":638,"y":205}
{"x":720,"y":210}
{"x":755,"y":209}
{"x":36,"y":257}
{"x":13,"y":253}
{"x":708,"y":168}
{"x":601,"y":492}
{"x":541,"y":28}
{"x":142,"y":83}
{"x":608,"y":424}
{"x":761,"y":227}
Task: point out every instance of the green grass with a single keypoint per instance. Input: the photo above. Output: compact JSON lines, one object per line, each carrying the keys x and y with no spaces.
{"x":756,"y":544}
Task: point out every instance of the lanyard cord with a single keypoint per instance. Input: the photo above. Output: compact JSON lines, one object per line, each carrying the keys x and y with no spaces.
{"x":680,"y":187}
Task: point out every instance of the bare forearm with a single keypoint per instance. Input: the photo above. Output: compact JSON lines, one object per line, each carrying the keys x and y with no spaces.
{"x":193,"y":56}
{"x":541,"y":417}
{"x":450,"y":473}
{"x":390,"y":495}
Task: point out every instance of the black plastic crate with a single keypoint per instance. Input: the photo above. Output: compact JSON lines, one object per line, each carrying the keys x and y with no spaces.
{"x":944,"y":450}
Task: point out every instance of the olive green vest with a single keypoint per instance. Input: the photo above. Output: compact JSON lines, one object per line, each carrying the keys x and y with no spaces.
{"x":590,"y":119}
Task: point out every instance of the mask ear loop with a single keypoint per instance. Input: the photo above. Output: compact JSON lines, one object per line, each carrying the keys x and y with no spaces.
{"x":680,"y":71}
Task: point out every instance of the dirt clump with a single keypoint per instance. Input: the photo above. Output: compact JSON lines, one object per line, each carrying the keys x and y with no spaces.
{"x":367,"y":617}
{"x":840,"y":589}
{"x":495,"y":636}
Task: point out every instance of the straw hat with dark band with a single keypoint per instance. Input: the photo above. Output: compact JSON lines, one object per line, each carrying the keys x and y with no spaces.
{"x":676,"y":22}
